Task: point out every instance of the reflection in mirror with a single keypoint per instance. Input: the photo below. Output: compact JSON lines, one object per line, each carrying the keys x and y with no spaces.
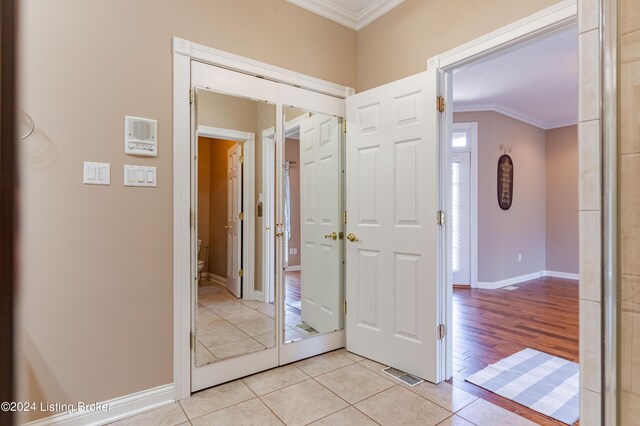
{"x":313,"y":224}
{"x":234,"y":315}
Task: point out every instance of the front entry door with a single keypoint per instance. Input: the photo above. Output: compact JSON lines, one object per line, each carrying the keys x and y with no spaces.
{"x":392,"y":254}
{"x":234,"y":220}
{"x":320,"y":196}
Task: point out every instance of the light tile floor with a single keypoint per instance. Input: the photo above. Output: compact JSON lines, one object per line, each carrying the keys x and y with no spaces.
{"x":336,"y":388}
{"x":228,"y":327}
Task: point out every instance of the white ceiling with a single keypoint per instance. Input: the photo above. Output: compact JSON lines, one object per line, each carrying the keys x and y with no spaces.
{"x":355,"y":14}
{"x":536,"y":83}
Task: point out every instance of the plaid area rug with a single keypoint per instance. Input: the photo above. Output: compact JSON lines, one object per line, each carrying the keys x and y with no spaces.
{"x":542,"y":382}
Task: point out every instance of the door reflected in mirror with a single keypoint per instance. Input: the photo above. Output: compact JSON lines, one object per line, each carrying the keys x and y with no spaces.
{"x":313,"y":224}
{"x":234,"y":313}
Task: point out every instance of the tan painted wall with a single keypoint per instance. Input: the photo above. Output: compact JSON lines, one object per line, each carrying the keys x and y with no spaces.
{"x":96,"y":293}
{"x":204,"y":192}
{"x":400,"y":42}
{"x":629,"y":220}
{"x":562,"y":200}
{"x":292,"y":153}
{"x":503,"y":234}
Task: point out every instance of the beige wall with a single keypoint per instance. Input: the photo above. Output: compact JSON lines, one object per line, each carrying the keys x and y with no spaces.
{"x":503,"y":234}
{"x":400,"y":43}
{"x":96,"y":302}
{"x":562,"y":200}
{"x":629,"y":226}
{"x":292,"y":153}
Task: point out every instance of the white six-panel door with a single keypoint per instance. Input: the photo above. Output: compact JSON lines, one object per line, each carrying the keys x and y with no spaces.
{"x":234,"y":224}
{"x":320,"y":213}
{"x":392,"y":204}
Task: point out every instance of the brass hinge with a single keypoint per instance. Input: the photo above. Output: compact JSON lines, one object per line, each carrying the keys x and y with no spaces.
{"x":345,"y":216}
{"x":441,"y":331}
{"x":345,"y":126}
{"x":191,"y":217}
{"x":241,"y":216}
{"x":440,"y":103}
{"x":190,"y":95}
{"x":345,"y":307}
{"x":442,"y":219}
{"x":241,"y":273}
{"x":242,"y":159}
{"x":191,"y":340}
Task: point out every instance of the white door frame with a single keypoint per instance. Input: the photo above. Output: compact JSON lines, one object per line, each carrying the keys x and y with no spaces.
{"x":268,"y":215}
{"x":553,"y":18}
{"x":248,"y":140}
{"x":472,"y":130}
{"x":184,"y":52}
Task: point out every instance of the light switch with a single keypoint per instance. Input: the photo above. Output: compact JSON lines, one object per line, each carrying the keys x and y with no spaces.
{"x":140,"y":176}
{"x":97,"y":173}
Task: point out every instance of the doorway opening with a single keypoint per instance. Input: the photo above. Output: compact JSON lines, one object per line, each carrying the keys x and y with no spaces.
{"x":513,"y":216}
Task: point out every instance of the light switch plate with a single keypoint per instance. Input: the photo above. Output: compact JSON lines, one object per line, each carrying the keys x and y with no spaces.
{"x":97,"y":173}
{"x":140,"y":176}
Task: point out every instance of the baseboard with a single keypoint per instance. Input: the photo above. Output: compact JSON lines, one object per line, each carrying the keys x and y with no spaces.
{"x":294,"y":268}
{"x":509,"y":281}
{"x":258,"y":295}
{"x":120,"y":408}
{"x":218,"y":278}
{"x":563,"y":275}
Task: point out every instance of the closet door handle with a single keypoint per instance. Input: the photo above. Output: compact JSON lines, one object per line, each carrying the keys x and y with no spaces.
{"x":332,"y":236}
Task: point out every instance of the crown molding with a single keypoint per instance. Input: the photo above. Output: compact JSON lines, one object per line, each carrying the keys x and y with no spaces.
{"x":510,"y":112}
{"x":343,"y":16}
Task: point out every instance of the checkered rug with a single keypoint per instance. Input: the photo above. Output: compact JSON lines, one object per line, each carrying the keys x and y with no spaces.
{"x":545,"y":383}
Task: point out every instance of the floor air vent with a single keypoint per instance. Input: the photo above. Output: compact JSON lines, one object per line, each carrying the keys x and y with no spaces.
{"x":402,"y":376}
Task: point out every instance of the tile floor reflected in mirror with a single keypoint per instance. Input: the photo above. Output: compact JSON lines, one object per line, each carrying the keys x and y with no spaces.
{"x":336,"y":388}
{"x":228,"y":327}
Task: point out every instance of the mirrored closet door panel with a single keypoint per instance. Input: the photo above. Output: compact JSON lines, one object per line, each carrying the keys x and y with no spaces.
{"x":235,"y":313}
{"x":313,"y":224}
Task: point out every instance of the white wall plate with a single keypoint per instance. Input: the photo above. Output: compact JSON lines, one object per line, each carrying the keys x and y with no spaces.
{"x":140,"y":176}
{"x":96,"y":173}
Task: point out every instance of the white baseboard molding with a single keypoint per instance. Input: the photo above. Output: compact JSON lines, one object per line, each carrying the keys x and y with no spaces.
{"x":294,"y":268}
{"x":563,"y":275}
{"x":522,"y":278}
{"x":120,"y":408}
{"x":218,"y":278}
{"x":258,"y":295}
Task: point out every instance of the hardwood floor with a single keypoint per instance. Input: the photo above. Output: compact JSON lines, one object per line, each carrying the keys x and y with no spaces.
{"x":292,"y":291}
{"x":489,"y":325}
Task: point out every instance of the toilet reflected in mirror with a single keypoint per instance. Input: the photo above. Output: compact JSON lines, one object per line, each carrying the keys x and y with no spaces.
{"x":234,"y":316}
{"x":313,"y":224}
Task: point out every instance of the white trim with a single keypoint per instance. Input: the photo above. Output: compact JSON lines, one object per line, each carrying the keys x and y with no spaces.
{"x":268,"y":218}
{"x":218,"y":279}
{"x":122,"y":407}
{"x":294,"y":268}
{"x":562,"y":275}
{"x":187,"y":55}
{"x":510,"y":112}
{"x":248,"y":141}
{"x":510,"y":281}
{"x":552,"y":18}
{"x":344,"y":17}
{"x":522,"y":278}
{"x":227,"y":134}
{"x":228,"y":60}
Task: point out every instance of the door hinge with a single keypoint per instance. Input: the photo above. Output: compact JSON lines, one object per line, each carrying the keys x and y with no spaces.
{"x":191,"y":340}
{"x":242,"y":159}
{"x":190,"y":95}
{"x":440,"y":103}
{"x":441,"y":331}
{"x":345,"y":307}
{"x":241,"y":273}
{"x":345,"y":126}
{"x":442,"y":219}
{"x":345,"y":216}
{"x":241,"y":216}
{"x":191,"y":217}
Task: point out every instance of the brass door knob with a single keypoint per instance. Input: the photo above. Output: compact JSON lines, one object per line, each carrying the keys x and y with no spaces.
{"x":332,"y":236}
{"x":352,"y":237}
{"x":226,"y":227}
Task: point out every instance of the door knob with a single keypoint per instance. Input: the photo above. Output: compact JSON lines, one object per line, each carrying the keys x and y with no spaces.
{"x":226,"y":227}
{"x":352,"y":237}
{"x":332,"y":236}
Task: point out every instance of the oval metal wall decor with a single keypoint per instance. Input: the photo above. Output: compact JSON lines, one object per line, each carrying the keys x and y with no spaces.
{"x":505,"y":182}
